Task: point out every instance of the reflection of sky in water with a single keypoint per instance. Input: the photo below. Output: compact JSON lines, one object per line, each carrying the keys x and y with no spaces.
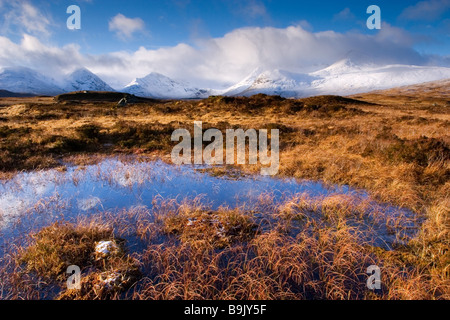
{"x":113,"y":185}
{"x":116,"y":185}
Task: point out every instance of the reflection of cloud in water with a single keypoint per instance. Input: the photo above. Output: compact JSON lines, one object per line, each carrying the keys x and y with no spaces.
{"x":10,"y":205}
{"x":89,"y":203}
{"x":114,"y":185}
{"x":25,"y":192}
{"x":126,"y":174}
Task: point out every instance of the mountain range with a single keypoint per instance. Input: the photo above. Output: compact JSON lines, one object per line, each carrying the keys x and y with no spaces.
{"x":21,"y":80}
{"x":26,"y":81}
{"x":344,"y":77}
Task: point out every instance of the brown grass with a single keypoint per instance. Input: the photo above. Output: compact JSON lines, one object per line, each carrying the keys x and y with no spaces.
{"x":292,"y":251}
{"x":209,"y":229}
{"x":394,"y":145}
{"x":43,"y":263}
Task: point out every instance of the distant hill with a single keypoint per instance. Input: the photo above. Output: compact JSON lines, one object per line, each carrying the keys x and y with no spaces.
{"x":9,"y":94}
{"x":440,"y":88}
{"x":331,"y":100}
{"x":100,"y":96}
{"x":433,"y":94}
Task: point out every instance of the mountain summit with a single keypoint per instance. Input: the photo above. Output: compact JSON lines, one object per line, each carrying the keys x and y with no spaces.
{"x":83,"y":79}
{"x":156,"y":85}
{"x":272,"y":82}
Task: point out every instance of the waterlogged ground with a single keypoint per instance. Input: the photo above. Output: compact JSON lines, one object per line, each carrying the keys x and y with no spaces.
{"x":287,"y":240}
{"x":32,"y":200}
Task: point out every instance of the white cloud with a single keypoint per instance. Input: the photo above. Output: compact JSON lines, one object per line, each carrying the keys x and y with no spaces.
{"x":395,"y":35}
{"x":344,"y":15}
{"x":305,"y":25}
{"x":225,"y":60}
{"x":426,"y":10}
{"x":125,"y":27}
{"x":32,"y":53}
{"x":249,"y":9}
{"x":21,"y":16}
{"x":256,"y":9}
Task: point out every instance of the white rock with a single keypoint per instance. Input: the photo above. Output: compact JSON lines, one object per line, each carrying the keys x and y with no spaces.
{"x":106,"y":248}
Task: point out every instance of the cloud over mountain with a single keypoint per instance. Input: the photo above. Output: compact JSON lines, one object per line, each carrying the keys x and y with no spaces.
{"x":218,"y":62}
{"x":343,"y":77}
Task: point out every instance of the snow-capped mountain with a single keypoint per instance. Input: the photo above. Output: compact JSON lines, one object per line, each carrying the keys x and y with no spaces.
{"x":345,"y":78}
{"x":25,"y":80}
{"x":341,"y":67}
{"x":276,"y":82}
{"x":156,"y":85}
{"x":83,"y":79}
{"x":342,"y":78}
{"x":244,"y":84}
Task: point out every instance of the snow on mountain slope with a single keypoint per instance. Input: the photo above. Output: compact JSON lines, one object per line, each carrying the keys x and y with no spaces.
{"x":341,"y":78}
{"x":341,"y":67}
{"x":345,"y":77}
{"x":156,"y":85}
{"x":279,"y":82}
{"x":244,"y":84}
{"x":83,"y":79}
{"x":25,"y":80}
{"x":369,"y":78}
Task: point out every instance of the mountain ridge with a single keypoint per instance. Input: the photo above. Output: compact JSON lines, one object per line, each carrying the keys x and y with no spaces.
{"x":345,"y":77}
{"x":26,"y":81}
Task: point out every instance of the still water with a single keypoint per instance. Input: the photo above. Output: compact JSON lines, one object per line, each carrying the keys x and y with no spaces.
{"x":35,"y":199}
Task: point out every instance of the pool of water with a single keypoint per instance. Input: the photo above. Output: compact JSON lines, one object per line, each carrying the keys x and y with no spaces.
{"x":35,"y":199}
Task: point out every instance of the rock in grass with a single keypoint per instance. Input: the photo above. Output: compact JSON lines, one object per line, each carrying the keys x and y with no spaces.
{"x":105,"y":249}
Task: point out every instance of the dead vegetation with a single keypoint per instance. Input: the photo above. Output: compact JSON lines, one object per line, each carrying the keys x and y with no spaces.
{"x":189,"y":252}
{"x":206,"y":228}
{"x":53,"y":249}
{"x":396,"y":147}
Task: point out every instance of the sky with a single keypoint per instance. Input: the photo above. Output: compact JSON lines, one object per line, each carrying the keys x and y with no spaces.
{"x":218,"y":42}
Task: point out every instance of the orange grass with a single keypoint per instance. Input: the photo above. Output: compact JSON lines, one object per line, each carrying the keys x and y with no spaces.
{"x":295,"y":252}
{"x":397,"y":149}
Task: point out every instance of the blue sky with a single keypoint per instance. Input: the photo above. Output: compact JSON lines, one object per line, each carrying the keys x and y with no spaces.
{"x":167,"y":23}
{"x":120,"y":31}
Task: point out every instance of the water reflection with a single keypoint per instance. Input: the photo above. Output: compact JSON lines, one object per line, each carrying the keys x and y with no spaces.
{"x":39,"y":197}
